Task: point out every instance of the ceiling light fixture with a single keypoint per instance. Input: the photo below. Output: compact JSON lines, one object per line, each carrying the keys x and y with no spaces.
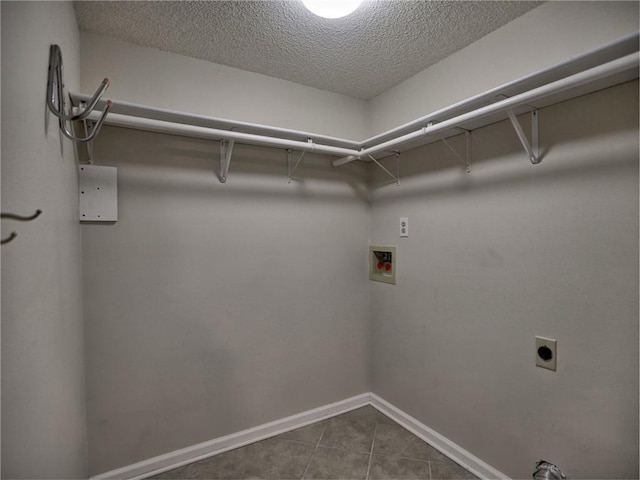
{"x":332,"y":8}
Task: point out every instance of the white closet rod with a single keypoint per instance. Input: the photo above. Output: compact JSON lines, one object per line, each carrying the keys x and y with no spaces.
{"x":182,"y":129}
{"x":615,"y":49}
{"x":591,"y":75}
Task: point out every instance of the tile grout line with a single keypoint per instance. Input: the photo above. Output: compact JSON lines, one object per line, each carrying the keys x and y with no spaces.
{"x":429,"y":462}
{"x":404,"y":457}
{"x":346,"y":449}
{"x":314,"y":452}
{"x":373,"y":442}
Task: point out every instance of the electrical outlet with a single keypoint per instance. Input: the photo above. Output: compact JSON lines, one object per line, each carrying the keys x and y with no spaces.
{"x":404,"y":226}
{"x":546,"y":353}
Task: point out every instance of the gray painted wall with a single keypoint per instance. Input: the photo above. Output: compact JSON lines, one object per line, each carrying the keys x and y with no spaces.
{"x":161,"y":79}
{"x":211,"y":308}
{"x":513,"y":251}
{"x":506,"y":253}
{"x":43,"y":407}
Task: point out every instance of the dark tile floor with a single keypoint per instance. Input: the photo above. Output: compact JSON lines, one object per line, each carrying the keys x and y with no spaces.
{"x":361,"y":444}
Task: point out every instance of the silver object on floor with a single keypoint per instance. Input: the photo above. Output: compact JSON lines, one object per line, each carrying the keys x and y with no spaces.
{"x":548,"y":471}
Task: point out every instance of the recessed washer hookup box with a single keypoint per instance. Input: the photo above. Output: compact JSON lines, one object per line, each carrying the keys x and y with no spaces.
{"x":382,"y":264}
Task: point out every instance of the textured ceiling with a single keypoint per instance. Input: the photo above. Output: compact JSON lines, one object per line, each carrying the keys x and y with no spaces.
{"x":378,"y":46}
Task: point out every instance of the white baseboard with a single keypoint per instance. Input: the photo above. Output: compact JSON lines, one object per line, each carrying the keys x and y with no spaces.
{"x":178,"y":458}
{"x":184,"y":456}
{"x":437,"y":441}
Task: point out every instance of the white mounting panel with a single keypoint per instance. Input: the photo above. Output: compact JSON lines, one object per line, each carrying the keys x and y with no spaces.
{"x":98,"y":193}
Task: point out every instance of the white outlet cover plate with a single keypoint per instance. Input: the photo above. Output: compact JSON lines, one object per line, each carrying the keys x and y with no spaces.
{"x":404,"y":226}
{"x":551,"y":344}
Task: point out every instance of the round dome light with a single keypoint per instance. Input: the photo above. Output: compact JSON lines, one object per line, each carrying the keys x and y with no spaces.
{"x":332,"y":8}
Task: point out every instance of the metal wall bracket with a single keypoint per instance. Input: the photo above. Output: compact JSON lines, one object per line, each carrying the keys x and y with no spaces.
{"x":84,"y":126}
{"x":56,"y":102}
{"x":88,"y":126}
{"x":87,"y":130}
{"x":291,"y":171}
{"x":532,"y":148}
{"x":396,"y":177}
{"x":226,"y":149}
{"x":467,"y":160}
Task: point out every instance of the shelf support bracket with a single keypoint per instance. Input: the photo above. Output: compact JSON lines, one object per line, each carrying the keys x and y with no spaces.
{"x":290,"y":170}
{"x":467,"y":160}
{"x":226,"y":149}
{"x":87,"y":131}
{"x":532,"y":148}
{"x":396,"y":177}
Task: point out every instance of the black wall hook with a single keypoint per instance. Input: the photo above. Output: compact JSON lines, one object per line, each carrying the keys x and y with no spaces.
{"x":21,"y":218}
